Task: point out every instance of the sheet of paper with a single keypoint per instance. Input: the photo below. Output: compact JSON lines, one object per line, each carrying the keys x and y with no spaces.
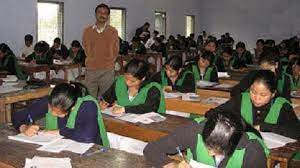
{"x":129,"y":118}
{"x":195,"y":164}
{"x":39,"y":139}
{"x":48,"y":162}
{"x":66,"y":145}
{"x":190,"y":97}
{"x":273,"y":140}
{"x":178,"y":113}
{"x":172,"y":95}
{"x":202,"y":83}
{"x":150,"y":117}
{"x":109,"y":112}
{"x":223,"y":86}
{"x":215,"y":100}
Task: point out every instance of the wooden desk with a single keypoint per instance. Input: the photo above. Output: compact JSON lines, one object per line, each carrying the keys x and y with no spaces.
{"x":284,"y":155}
{"x":144,"y":132}
{"x":30,"y":69}
{"x":13,"y":154}
{"x":6,"y":100}
{"x":67,"y":67}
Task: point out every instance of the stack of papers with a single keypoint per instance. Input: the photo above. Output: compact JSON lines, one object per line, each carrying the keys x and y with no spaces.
{"x":215,"y":100}
{"x":9,"y":88}
{"x":53,"y":143}
{"x":48,"y":162}
{"x":195,"y":164}
{"x":61,"y":62}
{"x":223,"y":75}
{"x":273,"y":140}
{"x":202,"y":83}
{"x":10,"y":78}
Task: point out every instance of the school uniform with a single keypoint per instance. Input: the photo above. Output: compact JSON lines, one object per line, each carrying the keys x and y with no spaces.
{"x":45,"y":59}
{"x":218,"y":62}
{"x":150,"y":97}
{"x":185,"y":83}
{"x":249,"y":152}
{"x":83,"y":124}
{"x":78,"y":58}
{"x":295,"y":82}
{"x":9,"y":63}
{"x":277,"y":116}
{"x":283,"y":85}
{"x":245,"y":58}
{"x":210,"y":74}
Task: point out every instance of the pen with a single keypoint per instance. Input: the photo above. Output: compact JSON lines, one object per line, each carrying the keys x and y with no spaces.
{"x":179,"y":152}
{"x":30,"y":120}
{"x":101,"y":149}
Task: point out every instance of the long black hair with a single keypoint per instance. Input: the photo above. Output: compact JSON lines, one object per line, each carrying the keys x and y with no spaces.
{"x":137,"y":68}
{"x":223,"y":131}
{"x":65,"y":95}
{"x":175,"y":62}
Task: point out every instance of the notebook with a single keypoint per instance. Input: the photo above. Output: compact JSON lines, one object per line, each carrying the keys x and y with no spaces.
{"x":47,"y":162}
{"x":39,"y":139}
{"x":273,"y":140}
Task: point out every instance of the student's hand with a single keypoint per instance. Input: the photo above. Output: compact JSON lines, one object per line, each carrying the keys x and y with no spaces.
{"x":29,"y":130}
{"x":118,"y":109}
{"x":51,"y":132}
{"x":175,"y":164}
{"x":103,"y":105}
{"x":257,"y":127}
{"x":168,"y":88}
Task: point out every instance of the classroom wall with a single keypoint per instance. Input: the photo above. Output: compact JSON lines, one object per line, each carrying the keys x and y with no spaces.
{"x":20,"y":17}
{"x":249,"y":20}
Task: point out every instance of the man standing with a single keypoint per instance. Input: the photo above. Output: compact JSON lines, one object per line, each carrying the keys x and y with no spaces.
{"x":101,"y":45}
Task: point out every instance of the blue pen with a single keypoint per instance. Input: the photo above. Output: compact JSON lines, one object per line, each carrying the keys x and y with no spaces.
{"x":179,"y":152}
{"x":101,"y":149}
{"x":30,"y":120}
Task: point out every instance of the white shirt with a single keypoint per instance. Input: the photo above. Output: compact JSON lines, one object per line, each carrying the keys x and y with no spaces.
{"x":99,"y":30}
{"x":149,"y":42}
{"x":26,"y":50}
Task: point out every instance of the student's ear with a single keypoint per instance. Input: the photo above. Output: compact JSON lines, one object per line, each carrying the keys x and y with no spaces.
{"x":144,"y":79}
{"x":273,"y":94}
{"x":179,"y":70}
{"x":276,"y":65}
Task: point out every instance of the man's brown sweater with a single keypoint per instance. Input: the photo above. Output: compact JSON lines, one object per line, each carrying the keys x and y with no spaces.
{"x":101,"y":49}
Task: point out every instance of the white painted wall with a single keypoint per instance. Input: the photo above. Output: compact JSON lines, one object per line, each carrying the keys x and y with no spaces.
{"x":19,"y":17}
{"x":249,"y":20}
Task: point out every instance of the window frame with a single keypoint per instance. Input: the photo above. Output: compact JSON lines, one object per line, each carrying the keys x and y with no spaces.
{"x":124,"y":21}
{"x":165,"y":22}
{"x":62,"y":8}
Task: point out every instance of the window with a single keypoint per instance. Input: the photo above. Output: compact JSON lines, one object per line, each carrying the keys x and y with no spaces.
{"x":118,"y":21}
{"x":50,"y":21}
{"x":160,"y":22}
{"x":190,"y":24}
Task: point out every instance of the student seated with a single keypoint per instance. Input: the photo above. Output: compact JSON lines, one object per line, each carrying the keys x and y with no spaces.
{"x":211,"y":45}
{"x":261,"y":107}
{"x":28,"y":48}
{"x":173,"y":77}
{"x":242,"y":54}
{"x":204,"y":69}
{"x":76,"y":53}
{"x":133,"y":93}
{"x":124,"y":47}
{"x":267,"y":62}
{"x":58,"y":50}
{"x":9,"y":63}
{"x":259,"y":48}
{"x":137,"y":46}
{"x":220,"y":141}
{"x":230,"y":61}
{"x":40,"y":55}
{"x":160,"y":47}
{"x":295,"y":76}
{"x":69,"y":110}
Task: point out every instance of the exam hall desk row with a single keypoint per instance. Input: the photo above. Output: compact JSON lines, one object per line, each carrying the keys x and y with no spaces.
{"x":13,"y":154}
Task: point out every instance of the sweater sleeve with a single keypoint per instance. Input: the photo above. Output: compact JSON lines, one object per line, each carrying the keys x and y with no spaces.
{"x":110,"y":95}
{"x":86,"y":126}
{"x":156,"y":153}
{"x":36,"y":110}
{"x":254,"y":156}
{"x":188,"y":85}
{"x":151,"y":104}
{"x":287,"y":125}
{"x":244,"y":84}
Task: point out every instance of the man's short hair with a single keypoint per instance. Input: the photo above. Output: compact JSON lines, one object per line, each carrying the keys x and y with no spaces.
{"x":28,"y":37}
{"x":103,"y":6}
